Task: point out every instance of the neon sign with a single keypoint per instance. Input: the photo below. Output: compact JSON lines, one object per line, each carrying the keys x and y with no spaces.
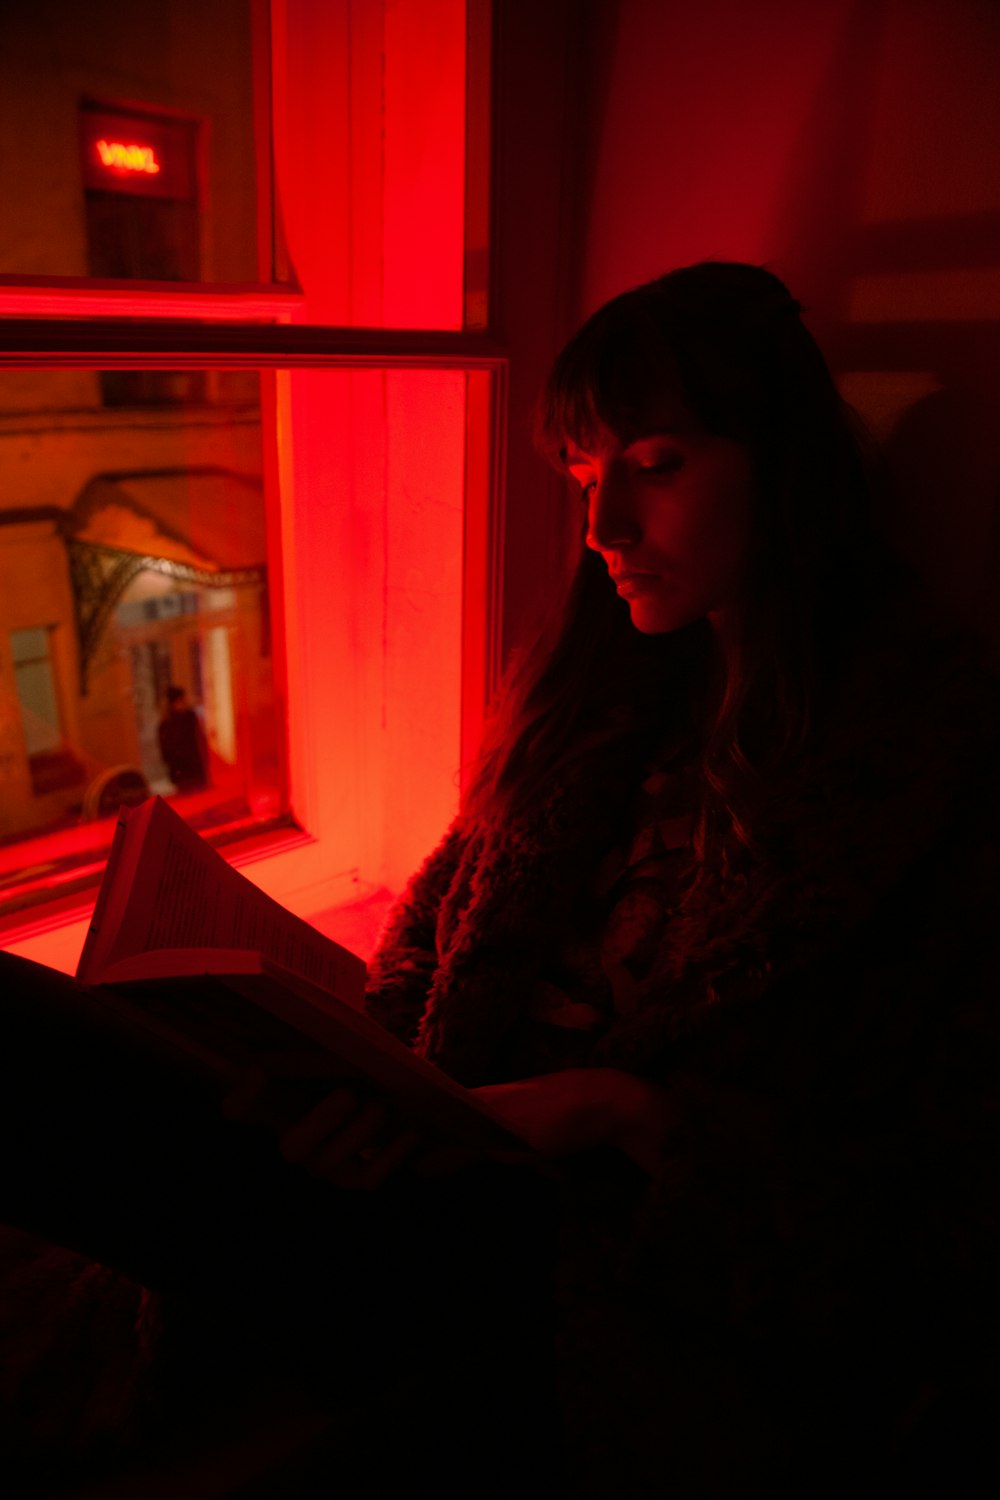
{"x":121,"y":158}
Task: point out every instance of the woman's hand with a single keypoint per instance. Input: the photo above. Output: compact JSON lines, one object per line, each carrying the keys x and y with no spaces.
{"x":347,"y":1138}
{"x":579,"y":1108}
{"x":351,"y":1140}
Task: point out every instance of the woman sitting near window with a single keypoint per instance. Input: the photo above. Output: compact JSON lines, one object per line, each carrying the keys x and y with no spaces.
{"x":721,"y":897}
{"x":713,"y":930}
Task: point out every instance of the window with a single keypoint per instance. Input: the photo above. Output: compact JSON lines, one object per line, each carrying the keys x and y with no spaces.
{"x":50,"y":764}
{"x":141,"y":207}
{"x":268,"y":493}
{"x":134,"y":142}
{"x":141,"y":215}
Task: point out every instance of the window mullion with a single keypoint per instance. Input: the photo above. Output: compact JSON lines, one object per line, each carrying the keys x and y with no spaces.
{"x":143,"y":343}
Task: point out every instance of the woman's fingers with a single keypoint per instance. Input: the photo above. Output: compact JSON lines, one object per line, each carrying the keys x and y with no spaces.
{"x":377,"y":1162}
{"x":347,"y":1142}
{"x":305,"y":1137}
{"x":347,"y":1148}
{"x":343,"y":1139}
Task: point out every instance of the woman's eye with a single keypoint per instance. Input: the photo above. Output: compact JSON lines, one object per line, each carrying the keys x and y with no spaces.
{"x":668,"y":465}
{"x":587,"y":489}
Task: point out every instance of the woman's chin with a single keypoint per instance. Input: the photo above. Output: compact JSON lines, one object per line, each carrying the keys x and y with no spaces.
{"x":657,"y":617}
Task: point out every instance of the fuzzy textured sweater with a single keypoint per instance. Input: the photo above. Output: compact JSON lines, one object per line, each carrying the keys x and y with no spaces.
{"x":802,"y":1301}
{"x":805,"y":1290}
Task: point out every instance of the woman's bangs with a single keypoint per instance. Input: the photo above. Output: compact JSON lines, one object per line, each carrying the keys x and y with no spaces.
{"x":607,"y":379}
{"x":569,"y":413}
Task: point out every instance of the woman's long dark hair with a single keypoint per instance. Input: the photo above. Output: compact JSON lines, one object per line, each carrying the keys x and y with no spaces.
{"x":728,"y":340}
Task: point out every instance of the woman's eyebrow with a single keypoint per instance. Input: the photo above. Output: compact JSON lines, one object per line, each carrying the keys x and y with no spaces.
{"x":651,"y":434}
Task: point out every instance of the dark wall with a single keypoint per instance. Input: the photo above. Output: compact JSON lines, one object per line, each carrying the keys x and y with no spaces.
{"x":545,"y":124}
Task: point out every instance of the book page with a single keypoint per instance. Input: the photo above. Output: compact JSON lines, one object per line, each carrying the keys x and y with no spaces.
{"x":184,"y":945}
{"x":181,"y":893}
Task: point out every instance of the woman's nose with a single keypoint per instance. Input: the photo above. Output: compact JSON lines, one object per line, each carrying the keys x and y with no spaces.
{"x":611,"y":519}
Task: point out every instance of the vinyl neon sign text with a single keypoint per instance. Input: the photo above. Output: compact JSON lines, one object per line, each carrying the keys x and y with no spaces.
{"x":128,"y":158}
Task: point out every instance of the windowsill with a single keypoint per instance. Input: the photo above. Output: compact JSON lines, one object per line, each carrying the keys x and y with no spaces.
{"x":74,"y":902}
{"x":84,"y":297}
{"x":342,"y":907}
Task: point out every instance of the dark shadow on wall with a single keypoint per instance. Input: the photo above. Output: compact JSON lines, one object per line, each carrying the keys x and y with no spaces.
{"x":944,"y":504}
{"x":814,"y":225}
{"x":905,"y":311}
{"x":550,"y":101}
{"x":942,"y":447}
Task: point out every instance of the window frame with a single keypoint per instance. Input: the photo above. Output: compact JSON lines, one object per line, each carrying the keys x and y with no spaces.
{"x":57,"y":322}
{"x":291,"y":860}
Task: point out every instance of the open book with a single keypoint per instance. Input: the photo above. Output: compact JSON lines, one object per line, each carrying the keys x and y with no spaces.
{"x":225,"y":980}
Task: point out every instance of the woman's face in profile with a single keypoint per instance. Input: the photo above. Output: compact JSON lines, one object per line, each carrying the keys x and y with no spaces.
{"x":670,"y":513}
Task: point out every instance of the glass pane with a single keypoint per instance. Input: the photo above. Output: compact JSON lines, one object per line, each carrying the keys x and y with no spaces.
{"x":382,"y":161}
{"x":130,"y":143}
{"x":36,"y":691}
{"x":28,"y":646}
{"x":133,"y":562}
{"x":135,"y":638}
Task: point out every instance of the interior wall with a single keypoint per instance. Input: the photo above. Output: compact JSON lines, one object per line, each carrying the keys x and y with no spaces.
{"x":541,"y":121}
{"x":851,"y":146}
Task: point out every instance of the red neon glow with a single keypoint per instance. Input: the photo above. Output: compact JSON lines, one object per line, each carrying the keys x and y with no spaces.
{"x":370,"y":159}
{"x":122,"y":158}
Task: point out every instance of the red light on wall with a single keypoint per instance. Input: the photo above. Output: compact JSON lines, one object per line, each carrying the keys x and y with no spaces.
{"x":120,"y":158}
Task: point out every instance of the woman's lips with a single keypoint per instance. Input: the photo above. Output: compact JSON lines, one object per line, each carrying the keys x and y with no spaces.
{"x":630,"y":584}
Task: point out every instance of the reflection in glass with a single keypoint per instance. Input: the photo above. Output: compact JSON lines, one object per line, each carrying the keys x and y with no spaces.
{"x":135,"y":653}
